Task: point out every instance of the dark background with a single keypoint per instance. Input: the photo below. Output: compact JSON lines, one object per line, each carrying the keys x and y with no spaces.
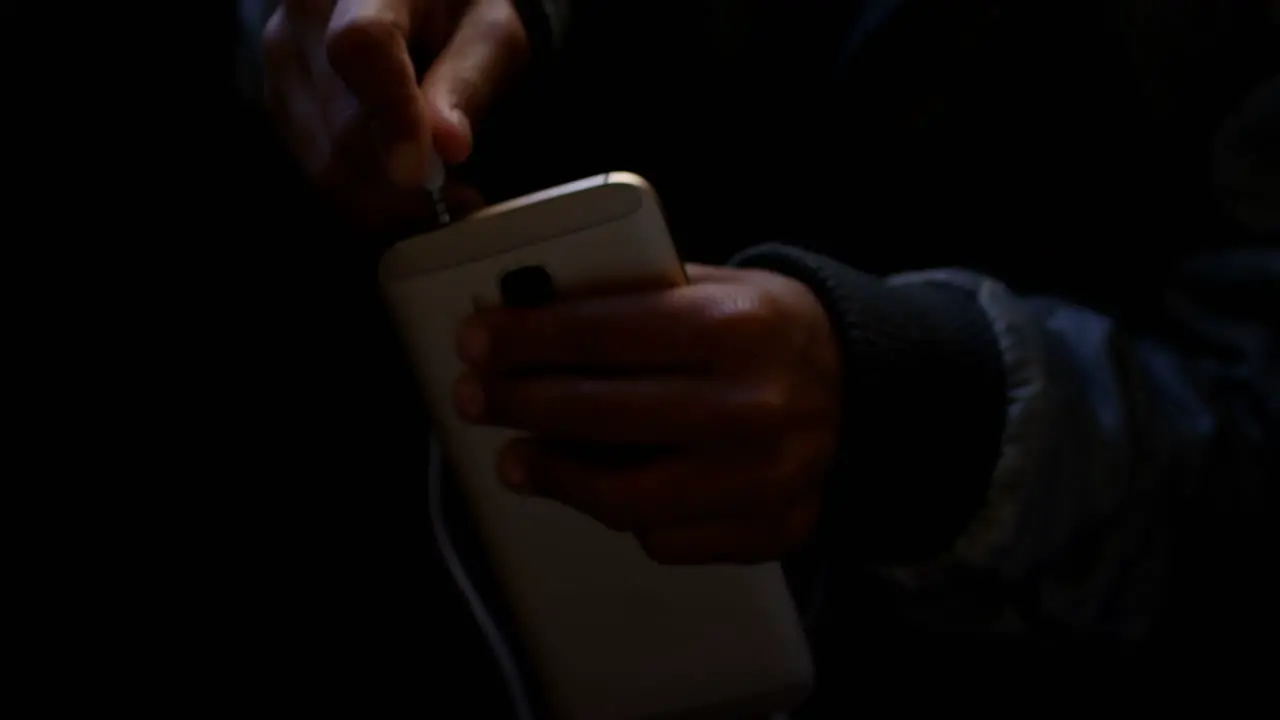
{"x":319,"y":441}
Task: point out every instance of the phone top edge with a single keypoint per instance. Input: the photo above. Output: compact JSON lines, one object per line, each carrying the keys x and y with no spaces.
{"x":539,"y":196}
{"x":627,"y":178}
{"x":507,"y":226}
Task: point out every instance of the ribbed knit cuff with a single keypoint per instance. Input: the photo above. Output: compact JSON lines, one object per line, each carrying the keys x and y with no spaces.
{"x":924,"y":408}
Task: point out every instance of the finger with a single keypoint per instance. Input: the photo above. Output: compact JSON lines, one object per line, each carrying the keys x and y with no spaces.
{"x":298,"y":114}
{"x":747,"y":540}
{"x":352,"y":151}
{"x":681,"y":328}
{"x":487,"y":48}
{"x":355,"y":175}
{"x":397,"y":211}
{"x":666,"y":489}
{"x":378,"y":208}
{"x":707,"y":543}
{"x":280,"y":55}
{"x":367,"y":48}
{"x":462,"y":200}
{"x":699,"y":274}
{"x":645,"y":410}
{"x":359,"y":178}
{"x":308,"y":22}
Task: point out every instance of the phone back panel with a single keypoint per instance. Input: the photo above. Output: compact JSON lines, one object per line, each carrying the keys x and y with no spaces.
{"x":612,"y":633}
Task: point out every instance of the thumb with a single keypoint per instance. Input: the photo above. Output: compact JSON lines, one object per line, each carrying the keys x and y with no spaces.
{"x":367,"y":49}
{"x":487,"y":49}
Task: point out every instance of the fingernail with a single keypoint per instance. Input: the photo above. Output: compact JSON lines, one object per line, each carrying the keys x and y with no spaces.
{"x":469,"y":398}
{"x":473,"y":343}
{"x":513,"y":467}
{"x":404,"y":166}
{"x":459,"y":119}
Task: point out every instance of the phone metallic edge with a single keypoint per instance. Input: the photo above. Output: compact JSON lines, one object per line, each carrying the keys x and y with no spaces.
{"x":611,"y":633}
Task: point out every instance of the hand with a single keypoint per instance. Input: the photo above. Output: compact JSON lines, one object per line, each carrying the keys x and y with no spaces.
{"x":701,"y":418}
{"x":342,"y":83}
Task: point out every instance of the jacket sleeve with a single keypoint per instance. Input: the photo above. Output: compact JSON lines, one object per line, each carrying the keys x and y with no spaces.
{"x":1102,"y":479}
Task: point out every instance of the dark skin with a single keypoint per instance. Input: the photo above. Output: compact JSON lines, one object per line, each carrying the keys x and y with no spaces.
{"x":730,"y":386}
{"x":361,"y":116}
{"x":703,"y":419}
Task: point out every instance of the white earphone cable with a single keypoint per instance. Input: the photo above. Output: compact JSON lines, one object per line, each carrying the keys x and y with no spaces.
{"x":501,"y":651}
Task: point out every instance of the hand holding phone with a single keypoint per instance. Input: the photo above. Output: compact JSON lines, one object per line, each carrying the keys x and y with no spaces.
{"x":726,"y":384}
{"x":613,"y":634}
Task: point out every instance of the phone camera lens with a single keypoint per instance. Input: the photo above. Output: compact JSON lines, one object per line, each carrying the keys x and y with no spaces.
{"x":528,"y":286}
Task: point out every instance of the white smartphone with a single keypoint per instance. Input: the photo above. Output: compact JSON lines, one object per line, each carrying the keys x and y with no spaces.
{"x":611,"y":633}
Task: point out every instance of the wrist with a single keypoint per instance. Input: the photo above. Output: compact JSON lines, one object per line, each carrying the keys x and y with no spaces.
{"x":923,"y":407}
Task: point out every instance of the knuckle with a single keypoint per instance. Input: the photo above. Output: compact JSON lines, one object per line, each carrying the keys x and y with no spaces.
{"x":792,"y":471}
{"x":790,"y":460}
{"x":500,"y":24}
{"x":350,"y":128}
{"x":767,"y":404}
{"x":740,"y":316}
{"x":347,"y":44}
{"x":786,"y":476}
{"x":750,"y":305}
{"x":276,"y":45}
